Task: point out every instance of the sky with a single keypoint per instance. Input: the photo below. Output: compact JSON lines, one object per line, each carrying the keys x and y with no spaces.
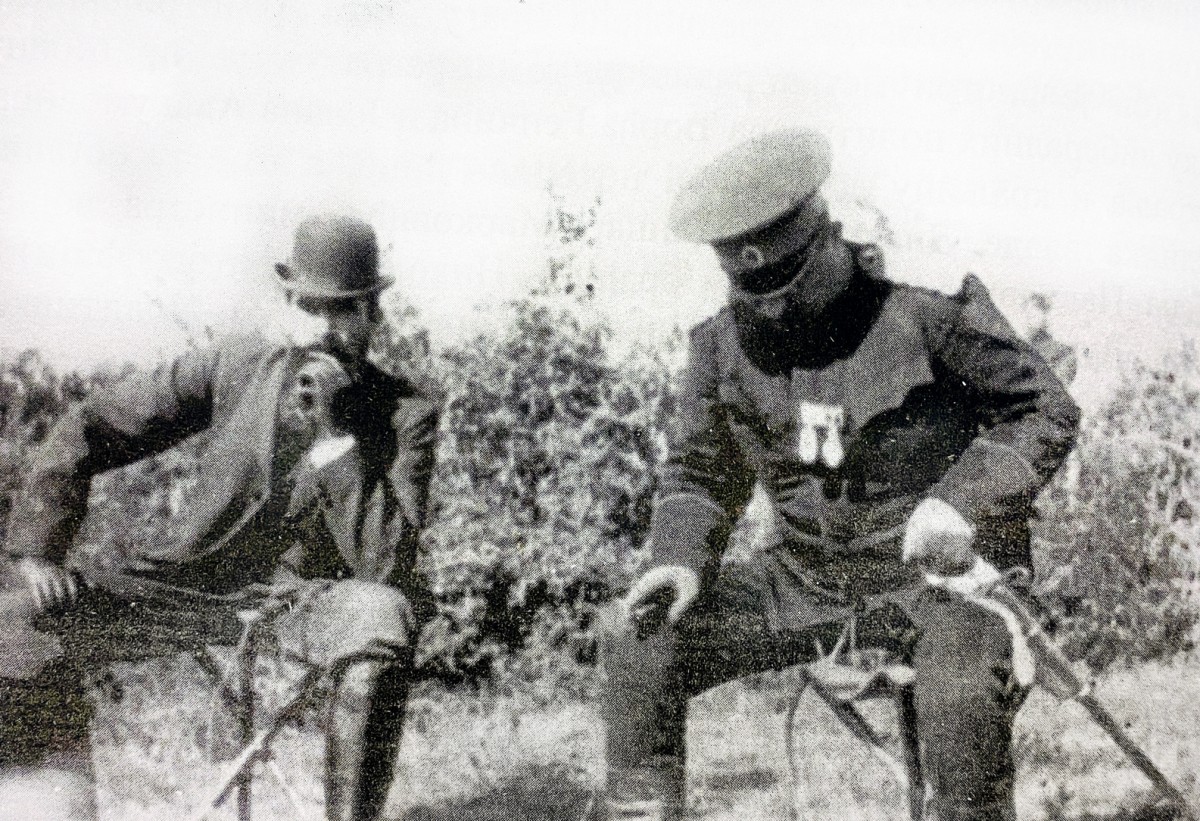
{"x":155,"y":155}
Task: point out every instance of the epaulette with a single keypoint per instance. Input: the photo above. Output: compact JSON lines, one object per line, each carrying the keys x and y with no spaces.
{"x":869,"y":259}
{"x":979,"y":312}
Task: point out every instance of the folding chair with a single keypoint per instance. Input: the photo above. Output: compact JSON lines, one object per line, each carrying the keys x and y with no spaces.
{"x":848,"y":675}
{"x":235,"y":688}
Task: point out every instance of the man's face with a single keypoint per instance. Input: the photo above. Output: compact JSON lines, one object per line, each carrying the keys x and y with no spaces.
{"x":792,"y":293}
{"x":341,"y":326}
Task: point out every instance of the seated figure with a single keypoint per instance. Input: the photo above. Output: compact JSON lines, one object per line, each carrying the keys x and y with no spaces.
{"x":895,"y":430}
{"x":312,"y":486}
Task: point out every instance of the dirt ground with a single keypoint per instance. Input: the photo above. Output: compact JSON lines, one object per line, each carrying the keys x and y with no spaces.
{"x":524,"y":757}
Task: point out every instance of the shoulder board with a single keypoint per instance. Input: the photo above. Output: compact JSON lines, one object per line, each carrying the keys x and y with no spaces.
{"x":868,"y":258}
{"x":979,"y":312}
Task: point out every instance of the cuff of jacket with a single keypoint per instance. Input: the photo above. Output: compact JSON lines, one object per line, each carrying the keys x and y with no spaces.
{"x":31,"y":526}
{"x":683,"y":530}
{"x":17,"y":547}
{"x":985,"y":477}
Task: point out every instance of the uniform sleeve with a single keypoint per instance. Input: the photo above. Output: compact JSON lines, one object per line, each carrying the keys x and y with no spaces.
{"x":112,"y":427}
{"x":705,"y":484}
{"x":1027,"y":420}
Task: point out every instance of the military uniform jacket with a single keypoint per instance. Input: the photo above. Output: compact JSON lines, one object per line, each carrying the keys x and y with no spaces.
{"x":232,"y":390}
{"x":923,"y":395}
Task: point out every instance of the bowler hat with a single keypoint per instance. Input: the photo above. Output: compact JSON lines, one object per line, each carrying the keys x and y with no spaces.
{"x":333,"y":257}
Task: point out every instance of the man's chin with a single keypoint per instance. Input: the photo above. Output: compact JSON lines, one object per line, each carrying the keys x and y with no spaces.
{"x":772,"y":329}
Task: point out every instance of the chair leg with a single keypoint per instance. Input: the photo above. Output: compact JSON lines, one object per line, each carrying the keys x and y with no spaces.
{"x":789,"y":744}
{"x":259,"y":747}
{"x":906,"y":710}
{"x":246,"y":653}
{"x":906,"y":768}
{"x":239,"y":697}
{"x":853,"y":720}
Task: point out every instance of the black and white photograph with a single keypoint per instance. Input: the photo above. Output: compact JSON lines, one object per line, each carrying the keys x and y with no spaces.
{"x":596,"y":410}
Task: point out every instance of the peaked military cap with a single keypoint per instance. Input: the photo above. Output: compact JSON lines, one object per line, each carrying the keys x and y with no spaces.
{"x":756,"y":202}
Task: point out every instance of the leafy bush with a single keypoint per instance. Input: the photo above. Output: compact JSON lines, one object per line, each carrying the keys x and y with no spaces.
{"x":32,"y":397}
{"x":542,"y":491}
{"x":547,"y":454}
{"x":1118,"y":539}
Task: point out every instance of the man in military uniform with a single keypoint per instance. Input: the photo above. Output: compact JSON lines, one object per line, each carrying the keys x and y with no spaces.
{"x":896,"y":431}
{"x":311,"y":490}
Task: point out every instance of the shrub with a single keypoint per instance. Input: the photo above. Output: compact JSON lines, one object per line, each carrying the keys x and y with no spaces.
{"x":1118,"y":539}
{"x":32,"y":397}
{"x":542,"y":491}
{"x":548,"y":450}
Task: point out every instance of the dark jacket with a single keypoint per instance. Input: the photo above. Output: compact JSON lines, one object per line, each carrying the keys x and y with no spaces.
{"x":907,"y":394}
{"x":232,"y":390}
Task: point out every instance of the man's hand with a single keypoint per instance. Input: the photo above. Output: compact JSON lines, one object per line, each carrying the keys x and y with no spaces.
{"x":939,"y":539}
{"x":675,"y":583}
{"x":50,"y":585}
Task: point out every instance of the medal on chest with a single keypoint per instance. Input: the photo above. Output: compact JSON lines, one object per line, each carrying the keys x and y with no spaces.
{"x":819,"y":433}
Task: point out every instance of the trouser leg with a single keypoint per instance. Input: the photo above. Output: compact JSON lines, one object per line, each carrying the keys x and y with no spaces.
{"x":966,"y":700}
{"x":650,"y":678}
{"x":45,"y":748}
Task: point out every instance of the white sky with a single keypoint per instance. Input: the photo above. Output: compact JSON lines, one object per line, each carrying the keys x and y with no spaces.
{"x":156,"y":154}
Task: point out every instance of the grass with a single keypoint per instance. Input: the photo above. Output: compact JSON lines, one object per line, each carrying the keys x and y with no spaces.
{"x":526,"y":756}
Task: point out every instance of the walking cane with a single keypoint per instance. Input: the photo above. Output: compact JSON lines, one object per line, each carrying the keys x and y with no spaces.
{"x":1054,"y":672}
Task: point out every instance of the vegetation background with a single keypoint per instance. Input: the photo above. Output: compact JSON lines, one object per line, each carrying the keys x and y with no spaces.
{"x":549,"y":444}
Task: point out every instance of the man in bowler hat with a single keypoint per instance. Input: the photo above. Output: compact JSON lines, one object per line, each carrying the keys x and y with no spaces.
{"x":897,"y":431}
{"x":311,"y":489}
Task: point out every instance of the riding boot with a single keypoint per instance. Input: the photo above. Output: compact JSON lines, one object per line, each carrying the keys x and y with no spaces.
{"x":362,"y":739}
{"x":656,"y":793}
{"x":46,"y":766}
{"x":966,"y":698}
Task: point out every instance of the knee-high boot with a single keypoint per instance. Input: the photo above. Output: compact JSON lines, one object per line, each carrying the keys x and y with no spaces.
{"x":362,"y":738}
{"x":644,"y":708}
{"x":648,"y":793}
{"x":966,"y":699}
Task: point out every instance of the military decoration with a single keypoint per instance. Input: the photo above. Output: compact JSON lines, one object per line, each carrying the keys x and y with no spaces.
{"x":820,"y":434}
{"x":752,"y":257}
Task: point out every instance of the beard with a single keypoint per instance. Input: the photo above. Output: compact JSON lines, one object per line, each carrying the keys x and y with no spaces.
{"x":776,"y":327}
{"x":777,"y":318}
{"x":771,"y":339}
{"x":298,"y":329}
{"x":820,"y":315}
